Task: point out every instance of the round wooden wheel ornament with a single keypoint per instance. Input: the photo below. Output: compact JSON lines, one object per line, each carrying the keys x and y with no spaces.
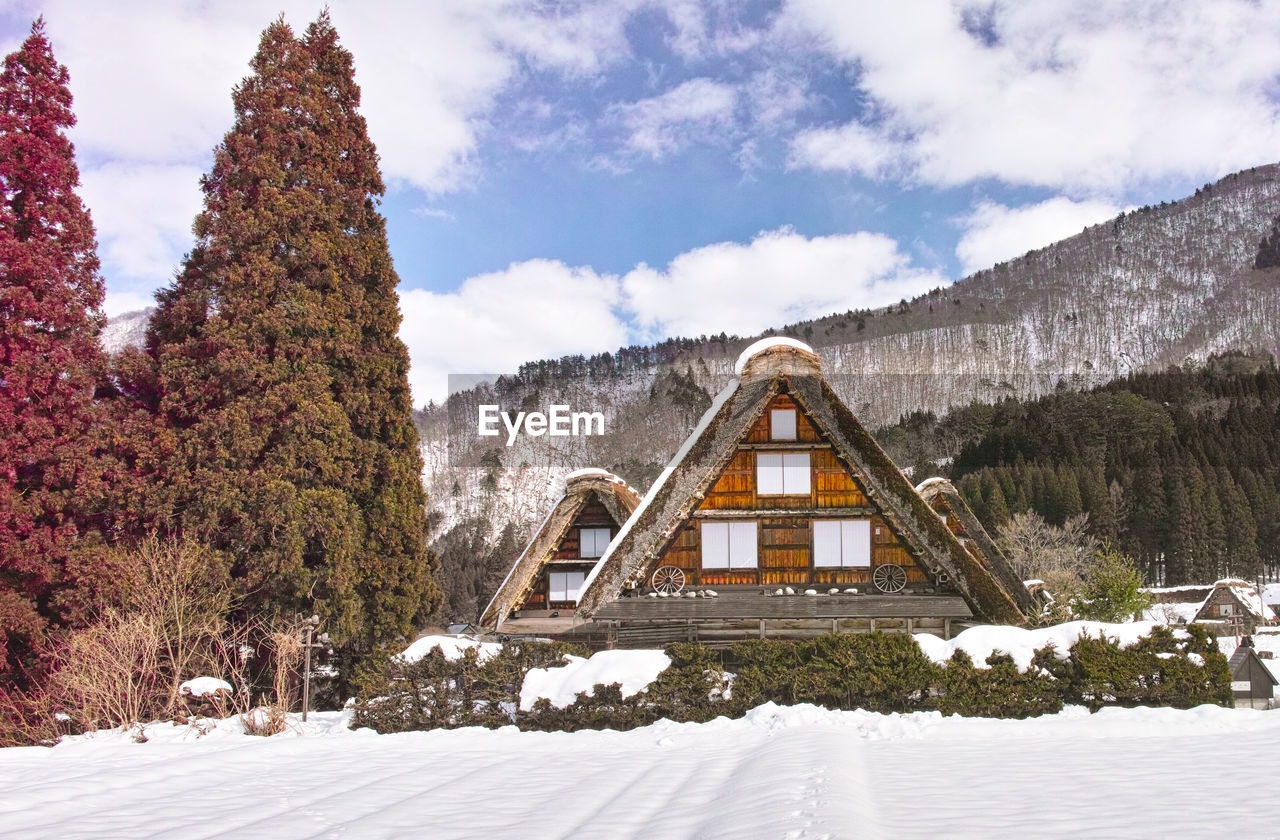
{"x":889,"y":578}
{"x":667,"y":579}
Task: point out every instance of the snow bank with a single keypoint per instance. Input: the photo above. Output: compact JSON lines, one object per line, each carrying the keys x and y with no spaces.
{"x":200,"y":686}
{"x":451,"y":646}
{"x":634,"y":669}
{"x":796,"y":772}
{"x":982,"y":641}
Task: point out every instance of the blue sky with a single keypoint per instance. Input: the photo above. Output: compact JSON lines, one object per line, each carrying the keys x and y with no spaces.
{"x":569,"y":177}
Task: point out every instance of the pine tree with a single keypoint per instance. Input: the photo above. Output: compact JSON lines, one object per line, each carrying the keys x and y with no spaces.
{"x":50,"y":362}
{"x":278,"y":365}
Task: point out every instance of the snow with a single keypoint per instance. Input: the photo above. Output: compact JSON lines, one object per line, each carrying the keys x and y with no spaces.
{"x":634,"y":669}
{"x":780,"y":772}
{"x":451,"y":646}
{"x":929,"y":482}
{"x":1021,"y":644}
{"x":681,"y":453}
{"x":1181,"y":612}
{"x":763,"y":345}
{"x":200,"y":686}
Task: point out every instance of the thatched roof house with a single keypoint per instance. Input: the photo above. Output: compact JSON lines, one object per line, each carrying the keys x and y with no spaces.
{"x":781,"y":488}
{"x":947,"y":502}
{"x":1234,"y":607}
{"x":547,"y":577}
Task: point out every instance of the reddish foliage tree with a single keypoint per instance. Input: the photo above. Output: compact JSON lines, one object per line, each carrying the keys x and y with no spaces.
{"x":50,"y":362}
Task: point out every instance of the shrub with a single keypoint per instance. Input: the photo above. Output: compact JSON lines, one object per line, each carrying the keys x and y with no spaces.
{"x":438,"y":693}
{"x":1112,"y":589}
{"x":878,"y":672}
{"x":999,"y":691}
{"x":1159,"y":670}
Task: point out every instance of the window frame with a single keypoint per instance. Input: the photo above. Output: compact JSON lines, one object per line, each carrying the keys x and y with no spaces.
{"x":854,"y":535}
{"x":582,"y":542}
{"x":782,"y":470}
{"x":734,"y":533}
{"x":551,"y":590}
{"x":791,"y":423}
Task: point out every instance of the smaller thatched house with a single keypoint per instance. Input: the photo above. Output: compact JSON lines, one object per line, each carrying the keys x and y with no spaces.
{"x":1234,"y":608}
{"x":947,"y":502}
{"x":546,"y":579}
{"x":1252,"y":683}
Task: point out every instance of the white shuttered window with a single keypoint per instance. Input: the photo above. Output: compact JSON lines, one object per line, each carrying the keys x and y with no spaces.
{"x":842,"y":543}
{"x":728,"y":545}
{"x":782,"y":473}
{"x":782,"y":424}
{"x":565,"y":586}
{"x":593,"y":541}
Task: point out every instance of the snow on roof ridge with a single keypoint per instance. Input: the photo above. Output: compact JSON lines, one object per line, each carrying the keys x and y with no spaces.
{"x":767,"y":344}
{"x":594,"y":472}
{"x":929,"y":482}
{"x":720,"y":399}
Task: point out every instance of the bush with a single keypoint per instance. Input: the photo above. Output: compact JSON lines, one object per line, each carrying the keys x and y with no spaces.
{"x":1159,"y":670}
{"x":438,"y":693}
{"x":999,"y":691}
{"x":877,"y":672}
{"x":1112,"y":589}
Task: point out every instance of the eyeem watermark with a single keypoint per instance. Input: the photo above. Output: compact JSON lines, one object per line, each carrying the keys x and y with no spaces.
{"x":558,"y":422}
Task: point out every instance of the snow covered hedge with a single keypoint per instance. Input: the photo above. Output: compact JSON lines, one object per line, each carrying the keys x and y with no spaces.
{"x":876,"y":672}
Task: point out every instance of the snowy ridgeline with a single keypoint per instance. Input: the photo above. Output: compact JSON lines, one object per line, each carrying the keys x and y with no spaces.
{"x":1165,"y":285}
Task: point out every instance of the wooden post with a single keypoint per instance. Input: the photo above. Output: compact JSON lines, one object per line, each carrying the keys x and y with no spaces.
{"x":946,"y":629}
{"x":911,"y":625}
{"x":306,"y":673}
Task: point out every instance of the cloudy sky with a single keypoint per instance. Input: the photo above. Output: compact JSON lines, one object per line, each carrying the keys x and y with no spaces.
{"x":570,"y":177}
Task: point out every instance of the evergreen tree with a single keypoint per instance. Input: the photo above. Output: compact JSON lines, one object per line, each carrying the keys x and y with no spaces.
{"x":278,"y":367}
{"x":50,"y":363}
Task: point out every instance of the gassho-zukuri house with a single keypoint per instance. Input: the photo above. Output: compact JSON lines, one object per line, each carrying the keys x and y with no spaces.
{"x":780,"y":517}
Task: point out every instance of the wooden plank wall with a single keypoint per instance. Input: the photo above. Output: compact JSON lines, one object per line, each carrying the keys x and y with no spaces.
{"x":785,"y":541}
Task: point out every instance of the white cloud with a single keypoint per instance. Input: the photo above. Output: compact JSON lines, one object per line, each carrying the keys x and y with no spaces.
{"x":122,"y":302}
{"x":542,"y":309}
{"x":665,"y":123}
{"x":994,"y":233}
{"x":777,"y":278}
{"x":848,"y":148}
{"x":1079,"y":97}
{"x":494,"y":322}
{"x":143,"y":215}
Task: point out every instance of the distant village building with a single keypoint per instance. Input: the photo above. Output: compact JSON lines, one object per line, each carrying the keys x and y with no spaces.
{"x":780,"y":516}
{"x":1252,"y":683}
{"x":547,"y":577}
{"x":1233,"y":607}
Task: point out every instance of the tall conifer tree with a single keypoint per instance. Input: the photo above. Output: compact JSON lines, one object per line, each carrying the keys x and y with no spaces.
{"x":50,"y":361}
{"x":279,"y":366}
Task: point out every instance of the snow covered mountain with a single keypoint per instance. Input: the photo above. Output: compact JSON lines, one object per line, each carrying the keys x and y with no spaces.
{"x":1161,"y":285}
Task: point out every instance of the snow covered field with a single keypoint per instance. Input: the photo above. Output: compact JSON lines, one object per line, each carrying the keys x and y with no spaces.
{"x":797,"y":772}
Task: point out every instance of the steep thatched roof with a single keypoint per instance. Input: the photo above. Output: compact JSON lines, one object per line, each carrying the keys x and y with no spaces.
{"x":581,"y":488}
{"x":764,"y":372}
{"x":943,"y":497}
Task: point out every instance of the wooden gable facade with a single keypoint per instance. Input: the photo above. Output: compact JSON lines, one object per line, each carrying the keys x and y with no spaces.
{"x":547,"y":577}
{"x":1234,"y":608}
{"x":571,"y":559}
{"x":787,"y":523}
{"x":781,"y":514}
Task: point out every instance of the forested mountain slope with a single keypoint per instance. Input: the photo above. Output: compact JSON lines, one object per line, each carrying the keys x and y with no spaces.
{"x":1158,"y":286}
